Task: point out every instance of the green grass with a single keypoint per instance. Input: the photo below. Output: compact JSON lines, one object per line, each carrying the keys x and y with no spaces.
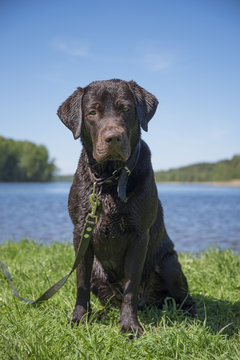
{"x":43,"y":332}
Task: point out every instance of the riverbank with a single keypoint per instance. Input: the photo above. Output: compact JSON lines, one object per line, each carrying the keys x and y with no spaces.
{"x":224,"y":183}
{"x":234,"y":183}
{"x":43,"y":332}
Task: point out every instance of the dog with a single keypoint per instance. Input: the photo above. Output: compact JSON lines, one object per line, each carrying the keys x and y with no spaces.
{"x":130,"y":261}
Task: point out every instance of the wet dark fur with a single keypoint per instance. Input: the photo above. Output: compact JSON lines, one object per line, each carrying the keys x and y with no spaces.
{"x":131,"y":262}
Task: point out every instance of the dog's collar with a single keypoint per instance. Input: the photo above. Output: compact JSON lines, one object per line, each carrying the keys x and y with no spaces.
{"x":121,"y":175}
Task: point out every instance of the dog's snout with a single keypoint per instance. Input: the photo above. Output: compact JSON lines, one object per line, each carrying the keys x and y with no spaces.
{"x":113,"y":137}
{"x":112,"y":144}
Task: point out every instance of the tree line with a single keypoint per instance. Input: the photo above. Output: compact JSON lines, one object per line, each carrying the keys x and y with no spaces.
{"x":24,"y":161}
{"x":224,"y":170}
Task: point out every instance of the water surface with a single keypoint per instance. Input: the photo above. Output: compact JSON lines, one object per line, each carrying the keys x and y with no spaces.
{"x":196,"y":216}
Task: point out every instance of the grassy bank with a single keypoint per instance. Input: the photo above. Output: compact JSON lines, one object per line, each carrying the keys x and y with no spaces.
{"x":42,"y":332}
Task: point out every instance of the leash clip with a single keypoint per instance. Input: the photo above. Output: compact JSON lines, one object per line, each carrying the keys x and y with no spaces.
{"x":94,"y":201}
{"x":127,"y":170}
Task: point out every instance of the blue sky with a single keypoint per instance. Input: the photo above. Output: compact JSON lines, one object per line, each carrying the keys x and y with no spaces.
{"x":187,"y":53}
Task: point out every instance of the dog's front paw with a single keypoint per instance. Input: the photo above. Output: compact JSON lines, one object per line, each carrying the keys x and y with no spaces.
{"x":80,"y":314}
{"x":130,"y":325}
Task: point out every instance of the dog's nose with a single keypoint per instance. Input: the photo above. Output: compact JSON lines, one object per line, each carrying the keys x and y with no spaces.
{"x":113,"y":137}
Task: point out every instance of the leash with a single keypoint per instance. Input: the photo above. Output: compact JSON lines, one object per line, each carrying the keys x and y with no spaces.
{"x":87,"y":233}
{"x":86,"y":236}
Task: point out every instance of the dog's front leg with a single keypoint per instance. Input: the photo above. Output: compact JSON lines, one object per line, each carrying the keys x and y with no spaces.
{"x":82,"y":307}
{"x":134,"y":262}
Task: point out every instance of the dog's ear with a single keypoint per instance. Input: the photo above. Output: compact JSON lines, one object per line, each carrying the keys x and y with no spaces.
{"x":146,"y":104}
{"x":70,"y":112}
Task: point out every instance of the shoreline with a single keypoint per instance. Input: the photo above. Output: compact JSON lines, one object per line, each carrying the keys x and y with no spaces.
{"x":232,"y":183}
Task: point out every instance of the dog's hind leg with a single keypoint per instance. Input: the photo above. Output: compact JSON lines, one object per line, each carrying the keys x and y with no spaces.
{"x":175,"y":283}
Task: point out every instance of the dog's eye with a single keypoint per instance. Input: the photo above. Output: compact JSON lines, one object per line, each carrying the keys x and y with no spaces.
{"x":93,"y":112}
{"x":125,"y":108}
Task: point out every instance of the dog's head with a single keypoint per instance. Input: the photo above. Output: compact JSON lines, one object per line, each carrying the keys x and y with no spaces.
{"x":108,"y":116}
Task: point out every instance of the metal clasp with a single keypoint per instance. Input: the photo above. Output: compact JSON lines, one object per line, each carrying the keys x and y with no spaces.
{"x":94,"y":201}
{"x":127,"y":170}
{"x":119,"y":170}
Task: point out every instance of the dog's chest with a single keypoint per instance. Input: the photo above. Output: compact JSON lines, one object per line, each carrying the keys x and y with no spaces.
{"x":112,"y":230}
{"x":113,"y":217}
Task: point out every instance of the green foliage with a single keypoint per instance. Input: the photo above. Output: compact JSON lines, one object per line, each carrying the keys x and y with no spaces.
{"x":24,"y":161}
{"x":221,"y":171}
{"x":43,"y":332}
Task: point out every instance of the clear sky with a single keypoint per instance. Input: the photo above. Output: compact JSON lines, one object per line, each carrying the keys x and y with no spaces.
{"x":186,"y":52}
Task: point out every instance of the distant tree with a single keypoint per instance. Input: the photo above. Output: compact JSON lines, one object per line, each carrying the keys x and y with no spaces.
{"x":24,"y":161}
{"x":221,"y":171}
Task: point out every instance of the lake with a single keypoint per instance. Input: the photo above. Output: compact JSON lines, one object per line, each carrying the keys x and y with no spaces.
{"x":196,"y":216}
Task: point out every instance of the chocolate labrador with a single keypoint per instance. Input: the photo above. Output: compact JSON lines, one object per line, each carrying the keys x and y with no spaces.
{"x":130,"y":261}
